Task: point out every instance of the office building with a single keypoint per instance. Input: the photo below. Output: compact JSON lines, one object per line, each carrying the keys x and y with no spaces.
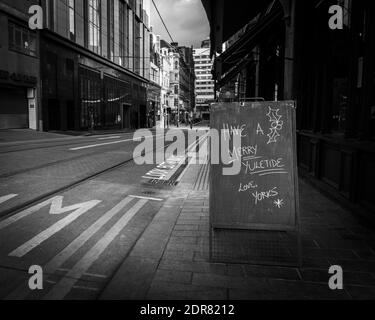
{"x":94,"y":64}
{"x":204,"y":84}
{"x":19,"y":67}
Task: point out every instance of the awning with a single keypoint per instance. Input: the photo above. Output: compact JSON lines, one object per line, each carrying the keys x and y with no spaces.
{"x":240,"y":54}
{"x":226,"y":17}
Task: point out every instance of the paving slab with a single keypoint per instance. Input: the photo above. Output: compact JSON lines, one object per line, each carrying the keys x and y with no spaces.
{"x":178,"y":266}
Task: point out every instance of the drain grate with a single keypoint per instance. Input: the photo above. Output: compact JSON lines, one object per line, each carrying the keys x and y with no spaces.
{"x":148,"y":192}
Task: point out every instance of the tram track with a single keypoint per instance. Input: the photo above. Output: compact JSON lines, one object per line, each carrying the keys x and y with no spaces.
{"x":29,"y":203}
{"x":65,"y":142}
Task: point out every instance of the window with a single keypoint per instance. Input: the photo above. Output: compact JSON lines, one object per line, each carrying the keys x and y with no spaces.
{"x":111,"y":30}
{"x":94,"y":26}
{"x":176,"y":89}
{"x":176,"y":64}
{"x":346,"y":5}
{"x":137,"y":47}
{"x":123,"y":34}
{"x":22,"y":40}
{"x":72,"y":28}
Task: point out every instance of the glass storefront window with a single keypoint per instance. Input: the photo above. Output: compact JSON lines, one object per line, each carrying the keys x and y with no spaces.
{"x":103,"y":101}
{"x":90,"y":85}
{"x":94,"y":26}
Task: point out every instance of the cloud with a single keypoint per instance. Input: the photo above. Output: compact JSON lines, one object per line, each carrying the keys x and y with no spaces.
{"x":186,"y":20}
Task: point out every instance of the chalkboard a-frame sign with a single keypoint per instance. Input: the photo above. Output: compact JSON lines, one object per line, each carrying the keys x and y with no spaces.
{"x":264,"y":195}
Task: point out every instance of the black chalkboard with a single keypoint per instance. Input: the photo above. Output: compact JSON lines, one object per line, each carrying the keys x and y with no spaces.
{"x":254,"y":214}
{"x":264,"y":195}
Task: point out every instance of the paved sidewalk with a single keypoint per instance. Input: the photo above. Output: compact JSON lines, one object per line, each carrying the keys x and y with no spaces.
{"x":170,"y":260}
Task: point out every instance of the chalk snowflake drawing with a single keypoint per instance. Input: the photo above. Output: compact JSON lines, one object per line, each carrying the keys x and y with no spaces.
{"x":276,"y":125}
{"x":279,"y":203}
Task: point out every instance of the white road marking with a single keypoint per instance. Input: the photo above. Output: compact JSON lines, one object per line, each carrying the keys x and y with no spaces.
{"x":107,"y":143}
{"x":75,"y":287}
{"x":147,"y":198}
{"x":167,"y":169}
{"x":172,"y":164}
{"x":72,"y":248}
{"x":55,"y":203}
{"x":8,"y":197}
{"x":56,"y":208}
{"x":109,"y":138}
{"x":192,"y":160}
{"x":91,"y":275}
{"x":86,"y":288}
{"x":65,"y":285}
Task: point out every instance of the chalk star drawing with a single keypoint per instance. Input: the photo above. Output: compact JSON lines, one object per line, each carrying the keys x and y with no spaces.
{"x":276,"y":125}
{"x":279,"y":203}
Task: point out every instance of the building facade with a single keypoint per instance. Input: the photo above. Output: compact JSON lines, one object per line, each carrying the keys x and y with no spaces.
{"x":19,"y":67}
{"x":154,"y":87}
{"x":187,"y":78}
{"x":182,"y":79}
{"x":204,"y":84}
{"x":165,"y":79}
{"x":94,"y":64}
{"x":287,"y":51}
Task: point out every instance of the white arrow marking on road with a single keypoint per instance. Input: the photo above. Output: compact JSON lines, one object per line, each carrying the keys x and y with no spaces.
{"x":56,"y":208}
{"x":8,"y":197}
{"x":55,"y":263}
{"x":5,"y":223}
{"x":65,"y":254}
{"x":59,"y":291}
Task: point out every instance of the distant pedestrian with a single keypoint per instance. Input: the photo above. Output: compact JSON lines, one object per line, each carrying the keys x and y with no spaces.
{"x":191,"y":121}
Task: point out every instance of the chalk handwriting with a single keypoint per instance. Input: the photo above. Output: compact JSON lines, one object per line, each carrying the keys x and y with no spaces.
{"x":246,"y":187}
{"x":276,"y":125}
{"x":279,"y":203}
{"x":260,"y":130}
{"x":237,"y":130}
{"x":249,"y":152}
{"x":260,"y":196}
{"x":256,"y":166}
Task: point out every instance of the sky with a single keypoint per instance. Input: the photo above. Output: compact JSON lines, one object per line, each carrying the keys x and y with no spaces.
{"x":186,"y":20}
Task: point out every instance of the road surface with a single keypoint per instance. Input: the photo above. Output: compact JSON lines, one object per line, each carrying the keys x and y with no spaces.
{"x":76,"y":207}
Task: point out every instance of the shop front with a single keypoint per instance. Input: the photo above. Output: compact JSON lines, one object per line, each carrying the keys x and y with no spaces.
{"x":154,"y":111}
{"x":287,"y":51}
{"x":19,"y":74}
{"x":83,"y":91}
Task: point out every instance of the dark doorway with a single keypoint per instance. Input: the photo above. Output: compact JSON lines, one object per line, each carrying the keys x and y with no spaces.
{"x":13,"y":108}
{"x":143,"y":116}
{"x":70,"y":114}
{"x":125,"y":115}
{"x":134,"y":120}
{"x":54,"y":114}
